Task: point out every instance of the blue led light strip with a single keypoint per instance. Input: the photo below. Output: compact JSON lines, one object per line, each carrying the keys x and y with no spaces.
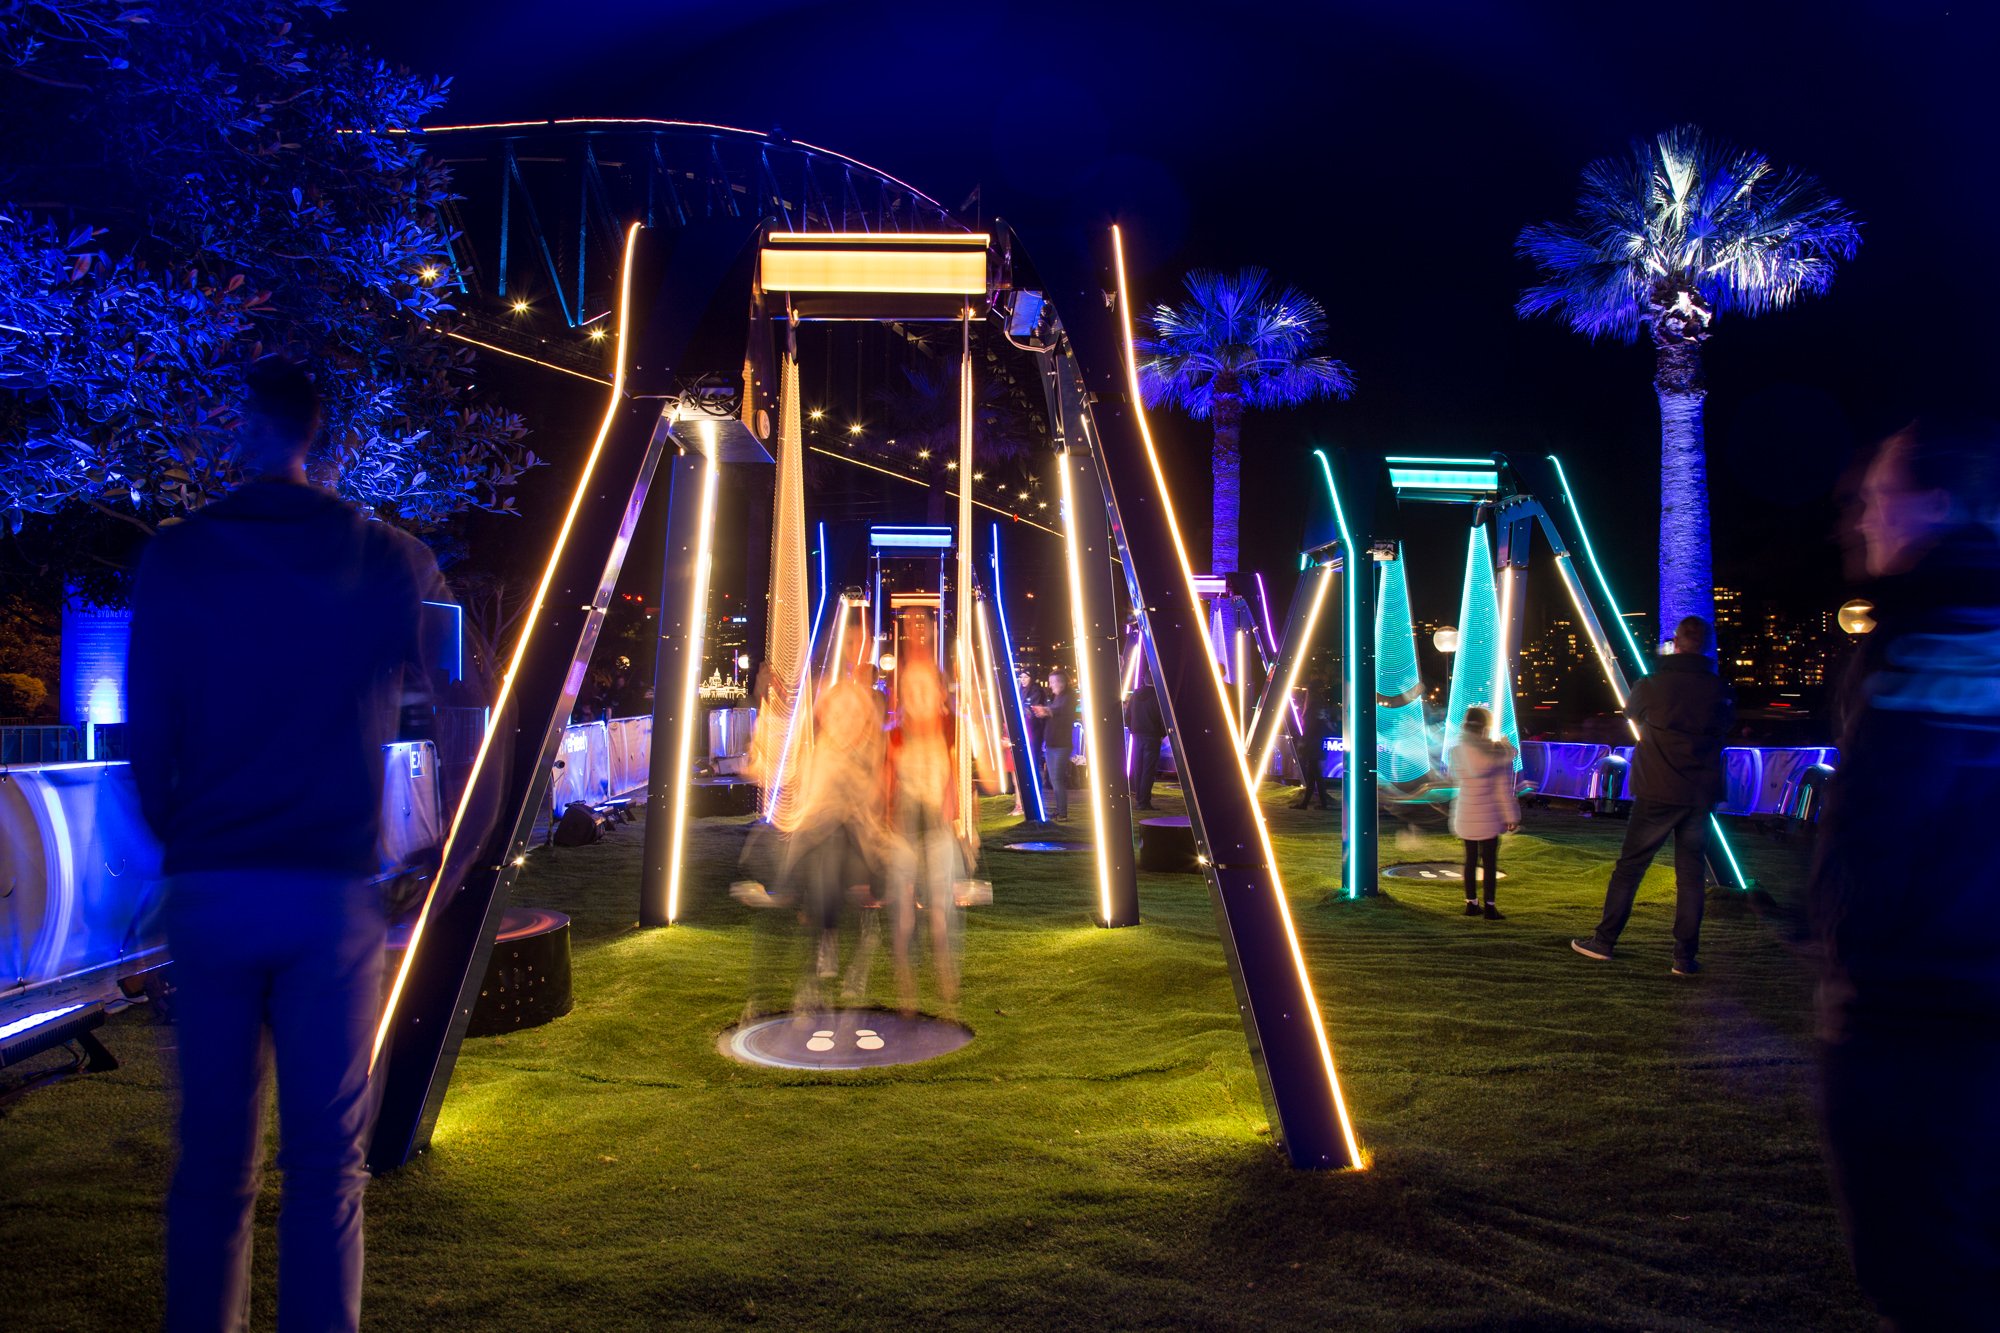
{"x":1026,"y":783}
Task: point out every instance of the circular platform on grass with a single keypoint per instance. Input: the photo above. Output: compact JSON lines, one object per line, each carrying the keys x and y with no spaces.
{"x":1045,"y":846}
{"x":527,"y":981}
{"x":1439,"y":871}
{"x":843,"y":1039}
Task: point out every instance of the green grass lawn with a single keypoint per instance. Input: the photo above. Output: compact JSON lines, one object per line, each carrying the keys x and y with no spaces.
{"x":1555,"y":1143}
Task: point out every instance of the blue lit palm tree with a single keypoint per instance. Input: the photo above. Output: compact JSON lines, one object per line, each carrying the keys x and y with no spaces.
{"x":1232,"y":345}
{"x":1678,"y":231}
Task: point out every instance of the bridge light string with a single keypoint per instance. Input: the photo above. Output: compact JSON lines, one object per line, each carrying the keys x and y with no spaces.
{"x":617,"y":401}
{"x":1215,"y":680}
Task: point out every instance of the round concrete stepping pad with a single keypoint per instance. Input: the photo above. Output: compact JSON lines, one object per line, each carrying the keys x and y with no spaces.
{"x":843,"y":1039}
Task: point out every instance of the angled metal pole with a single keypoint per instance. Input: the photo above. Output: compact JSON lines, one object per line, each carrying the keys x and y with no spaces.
{"x":1273,"y":717}
{"x":1281,"y":1017}
{"x":1352,"y":511}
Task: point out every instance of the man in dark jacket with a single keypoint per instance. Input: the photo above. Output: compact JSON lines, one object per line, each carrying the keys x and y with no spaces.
{"x":271,"y":633}
{"x":1149,"y":728}
{"x":1682,"y":711}
{"x":1903,"y":894}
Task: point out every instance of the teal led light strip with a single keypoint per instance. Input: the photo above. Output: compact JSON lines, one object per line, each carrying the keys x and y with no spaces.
{"x":1350,"y":628}
{"x":1597,"y":570}
{"x":1485,"y":464}
{"x":1611,"y":604}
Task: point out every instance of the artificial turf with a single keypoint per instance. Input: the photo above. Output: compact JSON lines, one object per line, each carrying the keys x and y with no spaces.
{"x":1554,"y":1143}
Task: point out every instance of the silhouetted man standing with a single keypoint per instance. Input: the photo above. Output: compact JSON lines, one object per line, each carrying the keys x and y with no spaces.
{"x":271,"y":633}
{"x":1149,"y":728}
{"x":1683,"y":711}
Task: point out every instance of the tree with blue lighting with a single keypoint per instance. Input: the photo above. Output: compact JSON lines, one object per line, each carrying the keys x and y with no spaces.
{"x":1236,"y":344}
{"x":1666,"y":238}
{"x":187,"y":185}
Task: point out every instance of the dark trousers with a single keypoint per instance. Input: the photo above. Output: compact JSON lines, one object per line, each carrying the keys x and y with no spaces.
{"x":1481,"y":852}
{"x":1312,"y":768}
{"x":1057,"y":763}
{"x":290,"y":964}
{"x":1145,"y":768}
{"x":1909,"y":1119}
{"x":1648,"y":828}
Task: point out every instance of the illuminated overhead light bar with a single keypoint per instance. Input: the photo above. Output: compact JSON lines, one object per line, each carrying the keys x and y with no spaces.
{"x":1469,"y":481}
{"x":876,"y":275}
{"x":900,"y":538}
{"x":1209,"y":585}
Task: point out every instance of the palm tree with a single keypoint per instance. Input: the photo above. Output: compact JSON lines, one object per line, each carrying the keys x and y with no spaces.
{"x":1236,"y":344}
{"x":1665,"y":239}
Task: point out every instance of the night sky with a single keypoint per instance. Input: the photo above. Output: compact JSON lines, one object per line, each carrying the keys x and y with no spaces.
{"x":1383,"y":157}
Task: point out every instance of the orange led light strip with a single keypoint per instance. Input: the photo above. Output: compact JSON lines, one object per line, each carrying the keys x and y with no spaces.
{"x":1222,"y":698}
{"x":520,"y":648}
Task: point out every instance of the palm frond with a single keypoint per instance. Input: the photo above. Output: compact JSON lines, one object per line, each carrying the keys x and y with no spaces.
{"x":1684,"y":214}
{"x":1235,"y":334}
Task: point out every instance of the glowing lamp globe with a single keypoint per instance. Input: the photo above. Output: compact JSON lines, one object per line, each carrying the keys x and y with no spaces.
{"x":1445,"y":640}
{"x":888,"y":662}
{"x":742,"y":661}
{"x":1857,"y":616}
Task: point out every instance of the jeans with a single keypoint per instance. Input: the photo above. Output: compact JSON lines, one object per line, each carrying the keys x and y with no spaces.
{"x":1145,"y":768}
{"x":1481,"y":852}
{"x":1909,"y":1116}
{"x":1648,"y":828}
{"x":286,"y":962}
{"x":1058,"y":768}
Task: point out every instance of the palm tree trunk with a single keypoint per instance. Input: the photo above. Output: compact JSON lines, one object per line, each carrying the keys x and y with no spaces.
{"x":1687,"y":583}
{"x":1226,"y":508}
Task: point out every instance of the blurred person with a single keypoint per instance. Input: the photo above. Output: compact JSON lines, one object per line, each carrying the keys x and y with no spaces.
{"x":265,"y":790}
{"x":1902,"y":893}
{"x":923,"y":774}
{"x":1034,"y":700}
{"x":1311,"y":742}
{"x":1058,"y":711}
{"x":841,"y":841}
{"x":1486,"y":805}
{"x":1683,"y":710}
{"x":1149,"y":728}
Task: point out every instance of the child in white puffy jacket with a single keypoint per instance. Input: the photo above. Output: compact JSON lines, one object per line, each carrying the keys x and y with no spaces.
{"x":1482,"y":767}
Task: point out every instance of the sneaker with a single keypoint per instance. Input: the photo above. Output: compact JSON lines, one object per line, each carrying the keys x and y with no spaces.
{"x":1471,"y":907}
{"x":1492,"y":913}
{"x":1686,"y":969}
{"x":1590,"y":948}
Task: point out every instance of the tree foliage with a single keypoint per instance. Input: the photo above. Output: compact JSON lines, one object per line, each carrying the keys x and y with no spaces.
{"x":187,"y":185}
{"x":1237,"y":336}
{"x":1680,"y":229}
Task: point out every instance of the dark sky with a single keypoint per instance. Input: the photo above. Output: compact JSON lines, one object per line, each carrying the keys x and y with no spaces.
{"x":1383,"y":157}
